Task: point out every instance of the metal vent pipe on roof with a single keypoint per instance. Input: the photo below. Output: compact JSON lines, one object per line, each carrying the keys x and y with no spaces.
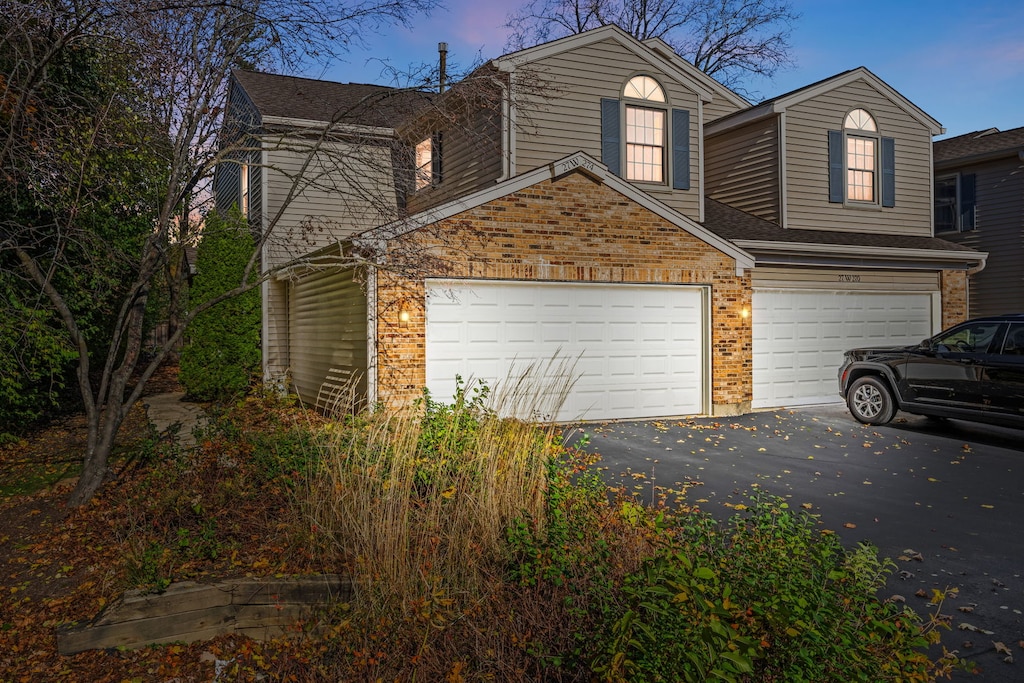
{"x":442,"y":50}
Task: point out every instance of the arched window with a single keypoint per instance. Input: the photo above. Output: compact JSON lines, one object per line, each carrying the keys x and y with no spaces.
{"x":646,"y":132}
{"x":642,"y":139}
{"x":861,"y":163}
{"x":860,"y":134}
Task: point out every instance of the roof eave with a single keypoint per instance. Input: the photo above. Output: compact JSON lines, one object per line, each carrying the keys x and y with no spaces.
{"x":765,"y":250}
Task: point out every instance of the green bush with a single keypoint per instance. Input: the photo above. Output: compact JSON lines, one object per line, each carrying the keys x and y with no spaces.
{"x":763,"y":598}
{"x":36,"y":360}
{"x":223,"y":347}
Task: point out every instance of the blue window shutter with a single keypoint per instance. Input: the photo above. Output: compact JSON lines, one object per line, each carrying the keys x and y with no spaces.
{"x":836,"y":189}
{"x":435,"y":159}
{"x":611,"y":136}
{"x":680,"y":149}
{"x":888,"y":172}
{"x":967,"y":202}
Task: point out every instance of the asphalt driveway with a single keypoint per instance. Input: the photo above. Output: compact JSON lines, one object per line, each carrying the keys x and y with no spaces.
{"x":949,"y":495}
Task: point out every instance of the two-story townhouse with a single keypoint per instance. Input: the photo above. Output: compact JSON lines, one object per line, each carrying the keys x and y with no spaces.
{"x":570,"y":217}
{"x":979,"y":203}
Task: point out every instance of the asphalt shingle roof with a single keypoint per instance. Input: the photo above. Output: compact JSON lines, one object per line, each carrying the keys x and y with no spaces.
{"x":980,"y":142}
{"x":735,"y":225}
{"x":313,"y":100}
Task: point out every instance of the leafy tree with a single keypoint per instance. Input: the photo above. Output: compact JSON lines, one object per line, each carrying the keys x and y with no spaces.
{"x":90,"y":155}
{"x":223,"y":348}
{"x":728,"y":39}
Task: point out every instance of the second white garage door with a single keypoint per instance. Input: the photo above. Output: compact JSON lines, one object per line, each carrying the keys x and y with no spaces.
{"x":800,"y":337}
{"x":641,"y":347}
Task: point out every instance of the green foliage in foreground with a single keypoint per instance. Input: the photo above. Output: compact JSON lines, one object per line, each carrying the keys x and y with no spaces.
{"x":762,"y":597}
{"x":223,"y":349}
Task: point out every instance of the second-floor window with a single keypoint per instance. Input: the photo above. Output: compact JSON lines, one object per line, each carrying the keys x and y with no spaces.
{"x":243,"y":189}
{"x":645,"y":130}
{"x":861,"y":163}
{"x":955,"y":203}
{"x":424,"y":163}
{"x":861,"y":156}
{"x":642,"y":139}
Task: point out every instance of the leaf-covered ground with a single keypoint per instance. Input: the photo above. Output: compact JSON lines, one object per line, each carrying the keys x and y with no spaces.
{"x":162,"y":518}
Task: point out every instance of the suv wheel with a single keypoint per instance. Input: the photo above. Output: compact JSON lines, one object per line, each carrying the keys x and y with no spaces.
{"x":870,"y":401}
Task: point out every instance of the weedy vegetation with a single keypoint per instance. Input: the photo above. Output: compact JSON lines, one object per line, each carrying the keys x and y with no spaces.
{"x":484,"y":547}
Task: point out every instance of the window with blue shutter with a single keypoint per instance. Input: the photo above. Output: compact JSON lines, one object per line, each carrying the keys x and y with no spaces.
{"x":642,"y":139}
{"x":861,"y":163}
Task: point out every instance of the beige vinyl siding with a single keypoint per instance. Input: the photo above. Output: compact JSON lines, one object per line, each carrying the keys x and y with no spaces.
{"x":275,"y":332}
{"x":470,"y":161}
{"x":807,"y":126}
{"x":717,"y":108}
{"x":568,"y":119}
{"x":326,"y":329}
{"x":347,"y":188}
{"x":999,"y":193}
{"x":742,"y":168}
{"x":845,"y":279}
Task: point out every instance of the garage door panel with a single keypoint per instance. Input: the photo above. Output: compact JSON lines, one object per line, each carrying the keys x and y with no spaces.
{"x":799,"y":337}
{"x":633,"y":344}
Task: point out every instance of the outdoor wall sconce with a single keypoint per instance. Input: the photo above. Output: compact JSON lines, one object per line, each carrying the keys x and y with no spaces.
{"x":403,"y":316}
{"x":745,"y":313}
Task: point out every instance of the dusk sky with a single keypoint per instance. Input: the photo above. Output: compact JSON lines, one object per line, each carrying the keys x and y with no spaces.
{"x":961,"y":62}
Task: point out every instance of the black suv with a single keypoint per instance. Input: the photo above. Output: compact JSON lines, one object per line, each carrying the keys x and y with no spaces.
{"x":974,"y":371}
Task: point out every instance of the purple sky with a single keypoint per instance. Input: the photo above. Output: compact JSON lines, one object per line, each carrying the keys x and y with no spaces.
{"x":962,"y":62}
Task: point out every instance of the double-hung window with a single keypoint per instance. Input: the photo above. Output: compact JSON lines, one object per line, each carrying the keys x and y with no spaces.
{"x":645,"y":130}
{"x":642,"y":139}
{"x":955,"y":203}
{"x":861,"y":163}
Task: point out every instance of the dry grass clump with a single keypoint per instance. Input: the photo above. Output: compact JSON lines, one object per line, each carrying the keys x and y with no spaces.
{"x":419,"y":500}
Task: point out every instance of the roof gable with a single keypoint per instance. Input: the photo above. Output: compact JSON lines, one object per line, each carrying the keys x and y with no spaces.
{"x":781,"y":103}
{"x":579,"y":162}
{"x":671,"y":68}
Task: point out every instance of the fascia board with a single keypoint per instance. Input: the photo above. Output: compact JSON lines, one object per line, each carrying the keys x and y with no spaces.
{"x":860,"y":73}
{"x":847,"y":250}
{"x":511,"y":62}
{"x":663,"y":50}
{"x":578,"y":162}
{"x":732,"y":121}
{"x":1008,"y":153}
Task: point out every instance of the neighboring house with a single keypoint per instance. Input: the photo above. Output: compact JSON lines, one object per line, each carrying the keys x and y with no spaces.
{"x":599,"y":197}
{"x":979,"y":203}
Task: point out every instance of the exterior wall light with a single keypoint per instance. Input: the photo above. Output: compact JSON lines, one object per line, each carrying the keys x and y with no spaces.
{"x":403,"y":316}
{"x":745,"y":313}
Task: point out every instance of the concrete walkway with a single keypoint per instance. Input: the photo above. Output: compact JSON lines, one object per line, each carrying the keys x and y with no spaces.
{"x":165,"y":410}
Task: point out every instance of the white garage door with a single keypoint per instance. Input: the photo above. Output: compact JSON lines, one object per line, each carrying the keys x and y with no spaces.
{"x":800,"y":337}
{"x":641,"y":347}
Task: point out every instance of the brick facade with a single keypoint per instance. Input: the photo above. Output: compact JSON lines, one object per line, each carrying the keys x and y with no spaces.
{"x":570,"y":229}
{"x":954,"y":297}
